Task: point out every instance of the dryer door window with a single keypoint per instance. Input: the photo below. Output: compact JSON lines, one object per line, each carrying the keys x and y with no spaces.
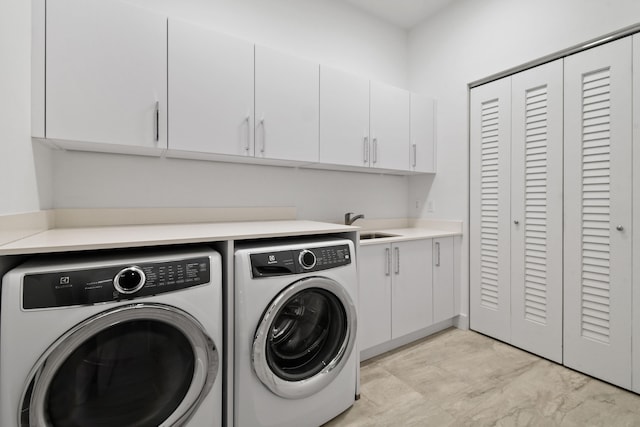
{"x":138,"y":365}
{"x":305,"y":337}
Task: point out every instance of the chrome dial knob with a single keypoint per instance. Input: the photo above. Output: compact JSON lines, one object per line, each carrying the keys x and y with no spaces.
{"x":129,"y":280}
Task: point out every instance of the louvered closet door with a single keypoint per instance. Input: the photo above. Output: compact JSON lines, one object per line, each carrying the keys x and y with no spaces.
{"x":490,"y":209}
{"x":536,"y":210}
{"x":597,"y":281}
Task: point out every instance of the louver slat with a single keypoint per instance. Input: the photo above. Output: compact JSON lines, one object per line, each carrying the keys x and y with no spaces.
{"x":489,"y":189}
{"x":595,"y":275}
{"x":535,"y":227}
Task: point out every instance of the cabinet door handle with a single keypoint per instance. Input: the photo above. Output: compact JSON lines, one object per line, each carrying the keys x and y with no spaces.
{"x":156,"y":122}
{"x":415,"y":155}
{"x":437,"y":254}
{"x":387,"y":262}
{"x":248,"y":141}
{"x":375,"y":150}
{"x":397,"y":249}
{"x":264,"y":135}
{"x":366,"y":149}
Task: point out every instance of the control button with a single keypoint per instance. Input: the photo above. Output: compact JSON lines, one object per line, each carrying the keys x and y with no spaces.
{"x":307,"y":259}
{"x":129,"y":280}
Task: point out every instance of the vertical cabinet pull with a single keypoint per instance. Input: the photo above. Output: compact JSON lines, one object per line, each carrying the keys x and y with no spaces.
{"x":415,"y":155}
{"x":397,"y":249}
{"x":437,"y":254}
{"x":366,"y":149}
{"x":387,"y":263}
{"x":156,"y":122}
{"x":264,"y":135}
{"x":375,"y":150}
{"x":248,"y":140}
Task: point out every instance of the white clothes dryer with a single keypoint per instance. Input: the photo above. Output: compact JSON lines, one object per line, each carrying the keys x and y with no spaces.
{"x":113,"y":340}
{"x":295,"y":361}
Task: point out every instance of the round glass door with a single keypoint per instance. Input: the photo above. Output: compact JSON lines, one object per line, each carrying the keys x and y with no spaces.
{"x":305,"y":337}
{"x":137,"y":365}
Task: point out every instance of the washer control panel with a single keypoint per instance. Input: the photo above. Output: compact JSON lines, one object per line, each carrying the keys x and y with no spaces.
{"x":112,"y":283}
{"x":282,"y":263}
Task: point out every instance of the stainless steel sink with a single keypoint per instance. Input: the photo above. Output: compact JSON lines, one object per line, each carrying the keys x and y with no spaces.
{"x":375,"y":235}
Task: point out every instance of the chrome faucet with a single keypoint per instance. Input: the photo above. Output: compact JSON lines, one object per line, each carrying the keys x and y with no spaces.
{"x":348,"y":220}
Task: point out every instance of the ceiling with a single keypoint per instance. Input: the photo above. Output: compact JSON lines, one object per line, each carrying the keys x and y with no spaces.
{"x":403,"y":13}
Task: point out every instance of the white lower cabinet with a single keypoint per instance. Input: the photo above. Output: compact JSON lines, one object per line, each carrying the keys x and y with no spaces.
{"x":402,"y":286}
{"x":411,"y":287}
{"x":443,"y":279}
{"x":374,"y":315}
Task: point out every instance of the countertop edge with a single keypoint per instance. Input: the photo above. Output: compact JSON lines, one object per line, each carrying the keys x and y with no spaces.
{"x":75,"y":239}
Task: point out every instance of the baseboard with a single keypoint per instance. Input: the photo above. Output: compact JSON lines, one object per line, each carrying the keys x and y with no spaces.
{"x":404,"y":340}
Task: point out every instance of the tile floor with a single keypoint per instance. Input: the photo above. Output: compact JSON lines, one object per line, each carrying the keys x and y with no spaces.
{"x":461,"y":378}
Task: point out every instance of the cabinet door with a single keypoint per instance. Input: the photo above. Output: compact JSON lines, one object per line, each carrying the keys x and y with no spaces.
{"x":106,"y":71}
{"x":390,"y":124}
{"x":344,"y":118}
{"x":536,"y":210}
{"x":287,"y":106}
{"x":636,"y":217}
{"x":490,"y":132}
{"x":374,"y":314}
{"x":412,"y":287}
{"x":443,"y":292}
{"x":423,"y":134}
{"x":210,"y":91}
{"x":597,"y":281}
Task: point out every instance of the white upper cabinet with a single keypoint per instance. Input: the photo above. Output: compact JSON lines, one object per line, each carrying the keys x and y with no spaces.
{"x":106,"y":74}
{"x":597,"y":188}
{"x":210,"y":91}
{"x":390,"y":127}
{"x":344,"y":118}
{"x":287,"y":106}
{"x":423,"y":134}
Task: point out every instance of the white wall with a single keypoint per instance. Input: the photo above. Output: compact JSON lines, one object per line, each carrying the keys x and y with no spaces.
{"x":325,"y":31}
{"x":473,"y":39}
{"x":18,"y":181}
{"x":106,"y":180}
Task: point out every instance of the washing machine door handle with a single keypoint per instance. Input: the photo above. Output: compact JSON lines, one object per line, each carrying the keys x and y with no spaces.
{"x":206,"y":363}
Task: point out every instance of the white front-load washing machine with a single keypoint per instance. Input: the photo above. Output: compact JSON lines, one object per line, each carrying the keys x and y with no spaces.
{"x":112,"y":340}
{"x":295,"y":330}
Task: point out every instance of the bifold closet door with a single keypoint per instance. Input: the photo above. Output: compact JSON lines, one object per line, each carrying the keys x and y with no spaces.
{"x":536,"y":210}
{"x":490,"y":127}
{"x":597,"y":178}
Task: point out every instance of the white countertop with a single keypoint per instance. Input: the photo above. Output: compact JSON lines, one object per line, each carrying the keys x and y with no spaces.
{"x":403,"y":234}
{"x":91,"y":238}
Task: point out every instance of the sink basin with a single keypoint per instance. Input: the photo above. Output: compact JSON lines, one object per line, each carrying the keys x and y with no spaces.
{"x":375,"y":235}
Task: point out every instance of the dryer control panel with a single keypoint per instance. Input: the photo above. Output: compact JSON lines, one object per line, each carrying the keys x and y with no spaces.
{"x":282,"y":263}
{"x":112,"y":283}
